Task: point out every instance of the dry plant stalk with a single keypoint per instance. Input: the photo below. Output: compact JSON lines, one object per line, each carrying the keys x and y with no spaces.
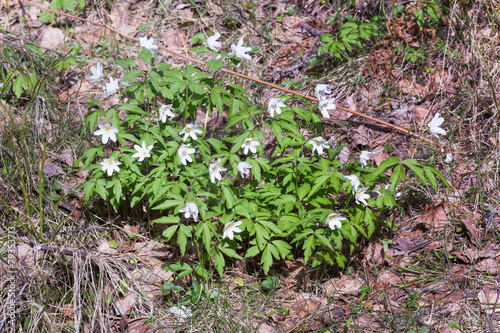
{"x":203,"y":64}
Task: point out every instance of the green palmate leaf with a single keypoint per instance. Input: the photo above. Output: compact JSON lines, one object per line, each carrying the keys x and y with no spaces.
{"x":416,"y":167}
{"x":217,"y":100}
{"x":308,"y":247}
{"x":437,"y":173}
{"x":282,"y":247}
{"x":303,"y":190}
{"x":207,"y":237}
{"x":168,"y":204}
{"x":229,"y":252}
{"x":267,"y":259}
{"x":219,"y":263}
{"x":369,"y":222}
{"x":261,"y":234}
{"x":131,"y":75}
{"x":432,"y":178}
{"x":397,"y":174}
{"x":167,"y":219}
{"x":388,"y":163}
{"x":252,"y":252}
{"x":170,"y":231}
{"x":278,"y":133}
{"x":146,"y":56}
{"x":126,"y":62}
{"x":155,"y":80}
{"x":182,"y":236}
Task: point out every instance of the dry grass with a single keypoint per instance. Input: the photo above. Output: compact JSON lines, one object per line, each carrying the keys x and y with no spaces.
{"x":68,"y":292}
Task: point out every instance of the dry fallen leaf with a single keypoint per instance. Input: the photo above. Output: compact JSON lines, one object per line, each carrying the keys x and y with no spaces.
{"x":489,"y":297}
{"x":50,"y":169}
{"x":388,"y":278}
{"x":67,"y":310}
{"x":344,"y":285}
{"x":52,"y":38}
{"x":124,"y":305}
{"x":361,"y":136}
{"x":435,"y":217}
{"x":489,"y":266}
{"x":474,"y":232}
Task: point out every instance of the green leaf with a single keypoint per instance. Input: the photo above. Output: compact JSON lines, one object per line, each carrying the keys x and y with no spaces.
{"x":216,"y":100}
{"x":127,"y":62}
{"x":230,"y":252}
{"x":167,"y":219}
{"x":155,"y":80}
{"x":304,"y":190}
{"x":239,"y":282}
{"x":170,"y":231}
{"x":252,"y":252}
{"x":416,"y":168}
{"x":18,"y":86}
{"x":113,"y":244}
{"x":131,"y":75}
{"x":278,"y":133}
{"x":432,"y":178}
{"x":168,"y":203}
{"x":266,"y":259}
{"x":219,"y":263}
{"x":146,"y":56}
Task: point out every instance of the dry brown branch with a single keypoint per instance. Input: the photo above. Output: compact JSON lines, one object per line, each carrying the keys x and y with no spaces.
{"x":202,"y":63}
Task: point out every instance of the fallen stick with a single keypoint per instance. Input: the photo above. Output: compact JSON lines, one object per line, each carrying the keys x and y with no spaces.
{"x":202,"y":63}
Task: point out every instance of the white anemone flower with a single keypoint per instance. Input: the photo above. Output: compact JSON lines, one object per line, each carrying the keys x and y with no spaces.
{"x":318,"y":144}
{"x":231,"y":228}
{"x":250,"y":144}
{"x":449,"y":158}
{"x":244,"y":168}
{"x":354,"y":182}
{"x":360,"y":195}
{"x":334,"y":220}
{"x":96,"y":73}
{"x":365,"y":156}
{"x":166,"y":111}
{"x":190,"y":131}
{"x":108,"y":132}
{"x":191,"y":210}
{"x":148,"y":44}
{"x":275,"y":105}
{"x":212,"y":42}
{"x":214,"y":170}
{"x":183,"y":153}
{"x":241,"y":51}
{"x":112,"y":87}
{"x":109,"y":165}
{"x":434,"y":126}
{"x":181,"y":311}
{"x":321,"y":90}
{"x":325,"y":105}
{"x":142,"y":152}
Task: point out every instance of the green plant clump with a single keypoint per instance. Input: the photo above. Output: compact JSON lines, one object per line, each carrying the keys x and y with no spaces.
{"x":217,"y":190}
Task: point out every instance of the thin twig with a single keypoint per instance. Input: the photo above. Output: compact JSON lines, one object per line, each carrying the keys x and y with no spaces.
{"x":202,"y":63}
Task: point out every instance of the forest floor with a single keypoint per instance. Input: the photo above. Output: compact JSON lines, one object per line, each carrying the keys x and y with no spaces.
{"x":437,"y":272}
